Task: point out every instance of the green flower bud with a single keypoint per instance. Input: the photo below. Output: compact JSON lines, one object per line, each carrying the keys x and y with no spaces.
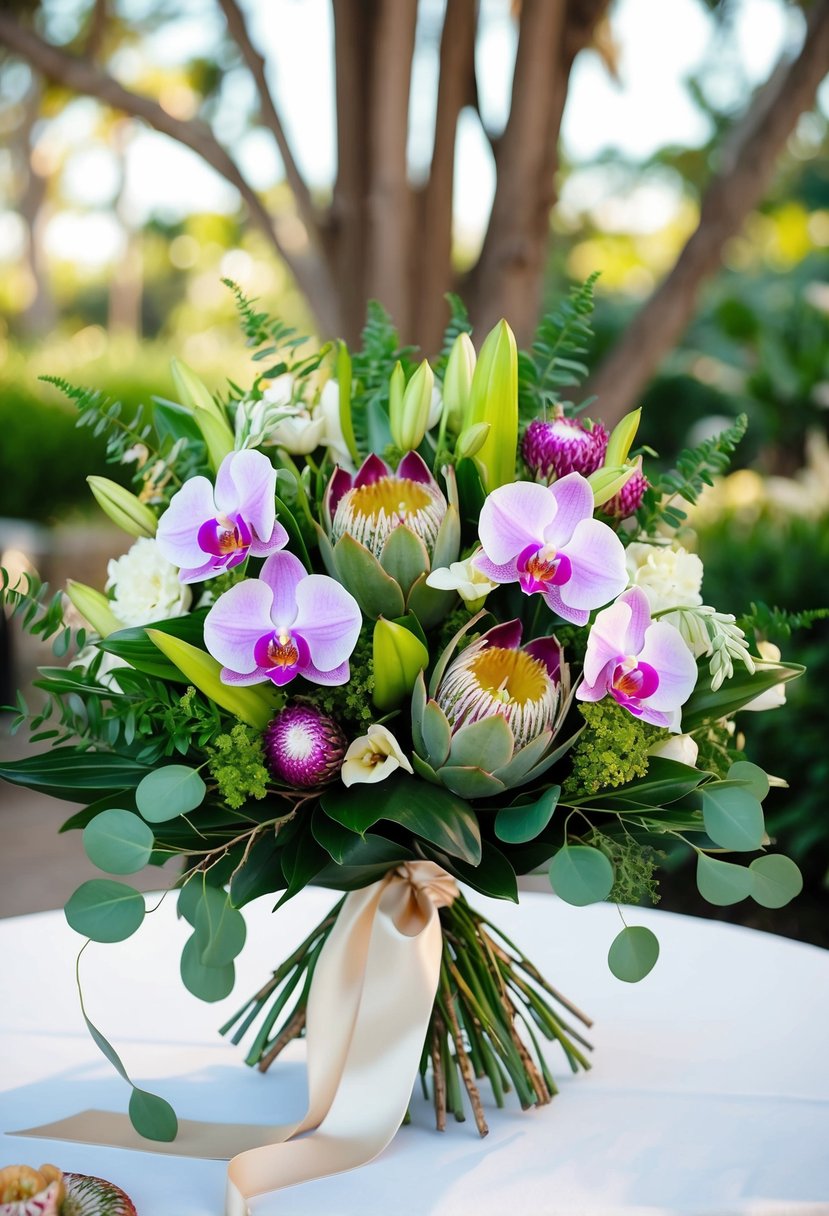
{"x":217,"y":435}
{"x":410,"y":417}
{"x":397,"y":387}
{"x":398,"y":657}
{"x":123,"y":507}
{"x":621,"y":438}
{"x":472,"y":439}
{"x":94,"y":607}
{"x":252,"y":705}
{"x":607,"y":481}
{"x":457,"y":382}
{"x":493,"y":398}
{"x":192,"y":392}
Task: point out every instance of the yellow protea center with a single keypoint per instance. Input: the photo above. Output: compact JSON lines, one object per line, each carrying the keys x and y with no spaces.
{"x":370,"y":513}
{"x":498,"y":680}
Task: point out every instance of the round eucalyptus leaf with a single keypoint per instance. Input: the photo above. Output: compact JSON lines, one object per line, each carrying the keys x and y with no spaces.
{"x":189,"y":897}
{"x":733,"y":817}
{"x":581,"y":875}
{"x":169,"y":792}
{"x":105,"y":910}
{"x":721,"y":882}
{"x":775,"y":880}
{"x":207,"y":983}
{"x":751,"y":776}
{"x":152,"y":1117}
{"x":220,"y":928}
{"x":118,"y":841}
{"x":518,"y":824}
{"x":633,"y":954}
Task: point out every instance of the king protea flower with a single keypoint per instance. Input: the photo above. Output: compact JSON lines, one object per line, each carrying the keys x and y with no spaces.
{"x":493,"y":715}
{"x":304,"y":746}
{"x":563,"y":445}
{"x":384,"y":533}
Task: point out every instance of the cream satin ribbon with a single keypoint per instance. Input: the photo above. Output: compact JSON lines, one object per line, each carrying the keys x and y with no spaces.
{"x":368,"y":1012}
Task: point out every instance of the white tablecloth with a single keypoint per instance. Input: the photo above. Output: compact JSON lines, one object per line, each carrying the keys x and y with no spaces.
{"x":709,"y":1092}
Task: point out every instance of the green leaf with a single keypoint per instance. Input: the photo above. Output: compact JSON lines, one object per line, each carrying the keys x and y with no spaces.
{"x":369,"y":858}
{"x":581,"y":875}
{"x":260,"y":875}
{"x":775,"y":880}
{"x":359,"y":570}
{"x":404,"y":557}
{"x":169,"y":792}
{"x":751,"y":776}
{"x":721,"y":882}
{"x":468,"y":781}
{"x":437,"y":734}
{"x":633,"y":954}
{"x":666,"y":781}
{"x":487,"y":744}
{"x":733,"y":817}
{"x":152,"y":1117}
{"x":332,"y":836}
{"x":118,"y":841}
{"x":296,"y":541}
{"x":427,"y":811}
{"x":135,"y":647}
{"x":207,"y":983}
{"x":74,"y":774}
{"x":105,"y":910}
{"x":493,"y":875}
{"x":704,"y":704}
{"x":220,"y":929}
{"x":519,"y":824}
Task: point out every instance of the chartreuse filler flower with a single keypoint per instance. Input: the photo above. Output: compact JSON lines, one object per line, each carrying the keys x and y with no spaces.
{"x":392,"y":626}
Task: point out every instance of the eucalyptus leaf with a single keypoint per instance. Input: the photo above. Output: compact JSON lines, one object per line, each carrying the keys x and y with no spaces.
{"x":751,"y":776}
{"x":776,"y":880}
{"x":581,"y":875}
{"x":152,"y":1117}
{"x":721,"y":882}
{"x":118,"y":841}
{"x":169,"y":792}
{"x":733,"y":817}
{"x":519,"y":824}
{"x":207,"y":983}
{"x":220,"y":929}
{"x":105,"y":910}
{"x":633,"y":954}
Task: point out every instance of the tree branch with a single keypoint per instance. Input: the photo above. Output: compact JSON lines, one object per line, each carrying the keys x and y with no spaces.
{"x":82,"y":76}
{"x":390,"y":234}
{"x":256,"y":65}
{"x":456,"y":88}
{"x":746,"y":170}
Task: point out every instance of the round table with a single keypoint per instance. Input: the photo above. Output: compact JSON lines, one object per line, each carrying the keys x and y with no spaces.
{"x":709,"y":1091}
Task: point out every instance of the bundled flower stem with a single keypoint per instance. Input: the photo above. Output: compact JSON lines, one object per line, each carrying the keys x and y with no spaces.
{"x":490,"y":1006}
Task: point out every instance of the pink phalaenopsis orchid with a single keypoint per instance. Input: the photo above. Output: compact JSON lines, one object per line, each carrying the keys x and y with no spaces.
{"x":285,"y":623}
{"x":206,"y":531}
{"x":546,"y":539}
{"x":643,"y":664}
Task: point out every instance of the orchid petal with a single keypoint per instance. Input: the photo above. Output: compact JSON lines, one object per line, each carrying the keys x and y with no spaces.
{"x":595,"y":691}
{"x":178,"y":528}
{"x":513,"y":517}
{"x":574,"y":499}
{"x":283,"y":572}
{"x":337,"y":675}
{"x":198,"y":574}
{"x":243,"y":680}
{"x":605,"y":642}
{"x":640,"y":619}
{"x":553,"y":600}
{"x":507,"y":573}
{"x":277,"y":540}
{"x":657,"y":717}
{"x":329,"y":619}
{"x":246,"y":482}
{"x":666,"y":651}
{"x":598,"y":566}
{"x":236,"y":622}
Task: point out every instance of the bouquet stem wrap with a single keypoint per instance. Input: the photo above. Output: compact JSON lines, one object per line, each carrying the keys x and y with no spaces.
{"x":368,"y":1013}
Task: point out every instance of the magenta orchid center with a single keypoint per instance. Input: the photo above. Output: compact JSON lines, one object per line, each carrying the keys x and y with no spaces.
{"x":542,"y":566}
{"x":633,"y":682}
{"x":225,"y":538}
{"x":282,"y":655}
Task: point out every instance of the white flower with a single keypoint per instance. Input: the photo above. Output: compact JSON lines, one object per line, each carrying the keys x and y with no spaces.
{"x":774,"y":697}
{"x":329,"y":410}
{"x":464,"y":577}
{"x":299,"y":434}
{"x":681,"y":748}
{"x":373,"y":757}
{"x":146,"y":586}
{"x":670,"y":577}
{"x":280,"y":391}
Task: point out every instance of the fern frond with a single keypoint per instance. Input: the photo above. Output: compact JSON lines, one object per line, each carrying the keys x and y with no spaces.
{"x":39,"y":611}
{"x":765,"y":621}
{"x":103,"y":416}
{"x":272,"y":341}
{"x":554,"y":361}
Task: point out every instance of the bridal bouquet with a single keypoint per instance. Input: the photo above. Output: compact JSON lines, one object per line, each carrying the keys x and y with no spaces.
{"x":407,"y":631}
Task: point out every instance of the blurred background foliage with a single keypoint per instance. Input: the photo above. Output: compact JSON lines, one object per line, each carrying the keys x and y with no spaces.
{"x":102,"y":290}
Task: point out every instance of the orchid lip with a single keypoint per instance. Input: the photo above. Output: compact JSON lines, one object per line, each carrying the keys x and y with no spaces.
{"x":537,"y":572}
{"x":633,"y":683}
{"x":282,"y":655}
{"x":225,"y":536}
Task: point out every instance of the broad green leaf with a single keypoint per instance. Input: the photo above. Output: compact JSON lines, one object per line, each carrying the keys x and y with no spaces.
{"x":332,"y":836}
{"x":733,"y":817}
{"x":105,"y":910}
{"x":665,"y":781}
{"x":704,"y":705}
{"x":118,"y":841}
{"x":581,"y":875}
{"x":470,"y":782}
{"x":369,"y":858}
{"x":296,"y":540}
{"x":633,"y":954}
{"x":152,"y":1117}
{"x":220,"y":928}
{"x":437,"y":734}
{"x":255,"y":705}
{"x":136,"y":648}
{"x":207,"y":983}
{"x":359,"y":570}
{"x":751,"y":776}
{"x":73,"y":773}
{"x":721,"y":882}
{"x":169,"y":792}
{"x":519,"y":824}
{"x":493,"y":875}
{"x":775,"y":880}
{"x":427,"y":811}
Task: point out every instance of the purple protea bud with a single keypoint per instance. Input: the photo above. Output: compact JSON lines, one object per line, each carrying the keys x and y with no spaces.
{"x":562,"y":446}
{"x":303,"y":746}
{"x":629,"y":498}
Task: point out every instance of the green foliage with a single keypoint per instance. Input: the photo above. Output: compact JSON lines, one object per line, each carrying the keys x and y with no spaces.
{"x":350,"y":704}
{"x":695,"y":469}
{"x":778,"y":623}
{"x":611,"y":751}
{"x":170,"y":791}
{"x":581,"y":875}
{"x":105,"y":910}
{"x":39,"y":612}
{"x":237,"y":764}
{"x":372,"y":366}
{"x":716,"y":748}
{"x":458,"y":324}
{"x":105,"y":418}
{"x":633,"y":954}
{"x":273,"y":341}
{"x":555,"y":359}
{"x":634,"y":866}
